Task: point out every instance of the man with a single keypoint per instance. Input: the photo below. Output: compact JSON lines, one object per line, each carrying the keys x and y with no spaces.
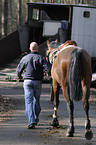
{"x":32,"y":66}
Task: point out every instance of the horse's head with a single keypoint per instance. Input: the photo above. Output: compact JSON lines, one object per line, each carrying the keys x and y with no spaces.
{"x":52,"y":46}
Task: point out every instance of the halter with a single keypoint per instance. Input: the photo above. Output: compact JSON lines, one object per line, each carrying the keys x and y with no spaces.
{"x":51,"y":55}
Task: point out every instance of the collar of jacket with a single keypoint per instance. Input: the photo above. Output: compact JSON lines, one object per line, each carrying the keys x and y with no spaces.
{"x":34,"y":52}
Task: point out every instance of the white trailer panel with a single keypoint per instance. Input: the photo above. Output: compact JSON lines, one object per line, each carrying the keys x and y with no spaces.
{"x":50,"y":28}
{"x":84,"y":28}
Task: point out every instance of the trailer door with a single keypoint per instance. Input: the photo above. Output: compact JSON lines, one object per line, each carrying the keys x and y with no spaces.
{"x":84,"y":28}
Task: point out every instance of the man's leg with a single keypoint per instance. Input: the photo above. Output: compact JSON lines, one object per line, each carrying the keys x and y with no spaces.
{"x":37,"y":93}
{"x":29,"y":101}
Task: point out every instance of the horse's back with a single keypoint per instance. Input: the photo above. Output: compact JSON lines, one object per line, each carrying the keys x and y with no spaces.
{"x":65,"y":56}
{"x":62,"y":63}
{"x":60,"y":67}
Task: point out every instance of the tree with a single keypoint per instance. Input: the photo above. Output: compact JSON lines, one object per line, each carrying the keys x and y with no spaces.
{"x":19,"y":11}
{"x":0,"y":18}
{"x":5,"y":16}
{"x":14,"y":12}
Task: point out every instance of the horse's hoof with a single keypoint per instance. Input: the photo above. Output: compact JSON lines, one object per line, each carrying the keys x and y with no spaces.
{"x":69,"y":134}
{"x":88,"y":134}
{"x":71,"y":129}
{"x":55,"y":123}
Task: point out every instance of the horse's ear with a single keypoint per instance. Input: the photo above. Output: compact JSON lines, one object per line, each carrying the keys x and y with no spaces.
{"x":48,"y":42}
{"x":56,"y":40}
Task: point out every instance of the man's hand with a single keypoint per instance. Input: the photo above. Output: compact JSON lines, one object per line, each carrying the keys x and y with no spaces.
{"x":20,"y":79}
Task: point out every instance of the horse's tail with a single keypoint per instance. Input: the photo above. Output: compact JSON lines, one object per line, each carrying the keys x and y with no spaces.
{"x":75,"y":75}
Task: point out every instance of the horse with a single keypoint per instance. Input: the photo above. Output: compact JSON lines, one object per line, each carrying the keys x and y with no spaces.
{"x":71,"y":70}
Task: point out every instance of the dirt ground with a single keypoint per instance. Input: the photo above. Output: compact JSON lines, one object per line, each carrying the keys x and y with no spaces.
{"x":8,"y":106}
{"x":13,"y":123}
{"x":8,"y":78}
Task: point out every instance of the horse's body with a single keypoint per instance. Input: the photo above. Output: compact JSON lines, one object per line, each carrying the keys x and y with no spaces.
{"x":71,"y":70}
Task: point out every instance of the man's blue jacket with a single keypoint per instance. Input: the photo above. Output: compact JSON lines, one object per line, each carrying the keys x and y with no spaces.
{"x":33,"y":66}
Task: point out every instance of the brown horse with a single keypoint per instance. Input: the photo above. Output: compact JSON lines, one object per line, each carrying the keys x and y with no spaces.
{"x":71,"y":69}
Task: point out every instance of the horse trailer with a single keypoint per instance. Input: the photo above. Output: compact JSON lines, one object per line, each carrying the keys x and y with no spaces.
{"x":62,"y":22}
{"x":54,"y":21}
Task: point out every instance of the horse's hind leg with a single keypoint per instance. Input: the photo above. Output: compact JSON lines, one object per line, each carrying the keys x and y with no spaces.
{"x":56,"y":88}
{"x":86,"y":94}
{"x":70,"y":108}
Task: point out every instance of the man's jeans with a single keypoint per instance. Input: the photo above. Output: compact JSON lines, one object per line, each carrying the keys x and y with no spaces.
{"x":32,"y":90}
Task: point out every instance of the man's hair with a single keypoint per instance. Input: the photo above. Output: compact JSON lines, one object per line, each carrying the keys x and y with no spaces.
{"x":33,"y":46}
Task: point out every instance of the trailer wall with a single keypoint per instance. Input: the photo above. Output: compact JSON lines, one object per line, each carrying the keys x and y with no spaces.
{"x":9,"y":48}
{"x":84,"y":28}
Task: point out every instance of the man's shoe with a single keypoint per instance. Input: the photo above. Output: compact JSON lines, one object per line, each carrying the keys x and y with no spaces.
{"x":31,"y":126}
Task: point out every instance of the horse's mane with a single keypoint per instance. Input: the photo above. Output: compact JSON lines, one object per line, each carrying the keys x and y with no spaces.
{"x":67,"y":43}
{"x":70,"y":42}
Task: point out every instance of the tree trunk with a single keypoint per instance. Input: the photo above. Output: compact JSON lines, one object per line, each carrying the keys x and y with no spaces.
{"x":5,"y":17}
{"x":19,"y":11}
{"x":10,"y":8}
{"x":0,"y":18}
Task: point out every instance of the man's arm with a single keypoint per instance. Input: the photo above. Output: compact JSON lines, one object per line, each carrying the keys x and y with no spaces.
{"x":20,"y":68}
